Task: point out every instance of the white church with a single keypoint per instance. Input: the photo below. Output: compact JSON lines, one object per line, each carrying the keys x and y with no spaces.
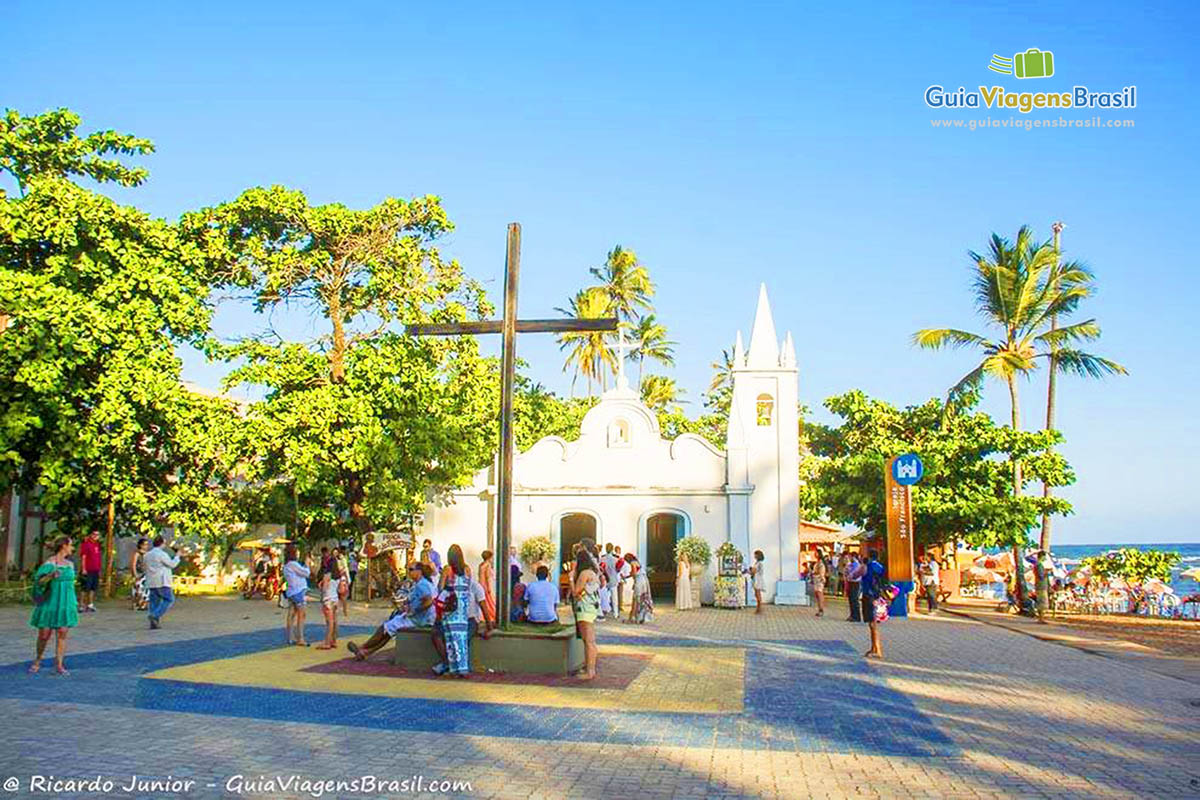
{"x":621,"y":482}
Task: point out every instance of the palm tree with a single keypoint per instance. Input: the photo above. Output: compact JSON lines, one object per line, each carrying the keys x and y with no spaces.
{"x":1072,"y":275}
{"x":1015,"y":292}
{"x":589,"y":350}
{"x":652,"y":342}
{"x":626,"y":283}
{"x":661,"y":393}
{"x":720,"y":389}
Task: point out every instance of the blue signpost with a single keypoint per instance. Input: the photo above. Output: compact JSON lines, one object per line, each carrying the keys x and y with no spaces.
{"x":905,"y":472}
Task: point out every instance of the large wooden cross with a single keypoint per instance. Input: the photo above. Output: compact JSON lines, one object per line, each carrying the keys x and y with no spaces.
{"x":509,"y":327}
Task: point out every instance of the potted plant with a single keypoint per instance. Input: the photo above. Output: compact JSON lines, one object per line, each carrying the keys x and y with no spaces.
{"x":537,"y":550}
{"x":696,"y":551}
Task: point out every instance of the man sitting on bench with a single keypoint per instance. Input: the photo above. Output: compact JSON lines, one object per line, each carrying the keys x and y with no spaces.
{"x":418,"y":612}
{"x":542,"y":599}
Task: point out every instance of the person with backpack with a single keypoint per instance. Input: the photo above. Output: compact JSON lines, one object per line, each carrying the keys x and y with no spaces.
{"x":55,"y":606}
{"x":875,"y":591}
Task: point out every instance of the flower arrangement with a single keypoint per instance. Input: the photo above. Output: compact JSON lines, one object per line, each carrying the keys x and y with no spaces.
{"x":727,"y":549}
{"x":695,"y":550}
{"x":537,"y":549}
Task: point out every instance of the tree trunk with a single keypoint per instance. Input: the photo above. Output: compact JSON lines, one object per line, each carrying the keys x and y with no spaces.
{"x":337,"y":353}
{"x":1018,"y":482}
{"x":108,"y":549}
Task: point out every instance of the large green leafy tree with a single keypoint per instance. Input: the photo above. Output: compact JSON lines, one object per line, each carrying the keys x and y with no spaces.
{"x":966,"y":493}
{"x":96,"y":296}
{"x":364,"y":418}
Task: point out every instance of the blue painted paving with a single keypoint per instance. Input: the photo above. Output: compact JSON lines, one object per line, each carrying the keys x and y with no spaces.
{"x":800,"y":696}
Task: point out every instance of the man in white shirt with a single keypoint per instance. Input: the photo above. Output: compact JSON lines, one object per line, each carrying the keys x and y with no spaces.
{"x":624,"y":575}
{"x":475,"y":610}
{"x":158,"y":564}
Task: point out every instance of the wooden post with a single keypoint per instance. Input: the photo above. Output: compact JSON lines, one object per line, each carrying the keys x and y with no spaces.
{"x":512,"y":269}
{"x":108,"y":549}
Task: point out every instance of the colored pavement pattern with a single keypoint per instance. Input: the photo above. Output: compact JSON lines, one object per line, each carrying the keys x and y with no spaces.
{"x":709,"y":703}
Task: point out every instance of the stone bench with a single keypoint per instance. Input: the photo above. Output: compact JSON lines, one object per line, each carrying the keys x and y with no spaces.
{"x":519,"y":652}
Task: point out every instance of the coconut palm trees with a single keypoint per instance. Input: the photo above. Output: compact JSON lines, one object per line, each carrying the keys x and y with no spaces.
{"x":589,"y":350}
{"x":626,"y":282}
{"x":661,"y":393}
{"x":1071,"y":276}
{"x":624,"y":292}
{"x":1021,"y":289}
{"x":650,"y":341}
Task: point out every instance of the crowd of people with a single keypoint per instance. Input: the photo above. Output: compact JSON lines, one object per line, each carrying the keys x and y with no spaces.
{"x":455,"y":603}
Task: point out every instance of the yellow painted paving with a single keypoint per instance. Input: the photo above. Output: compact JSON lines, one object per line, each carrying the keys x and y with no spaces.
{"x":697,"y":680}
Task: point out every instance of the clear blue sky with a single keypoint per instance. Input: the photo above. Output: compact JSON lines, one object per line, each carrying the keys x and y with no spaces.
{"x":728,"y":144}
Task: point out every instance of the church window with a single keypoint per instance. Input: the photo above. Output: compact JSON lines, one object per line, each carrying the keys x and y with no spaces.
{"x":618,"y":433}
{"x":765,"y":407}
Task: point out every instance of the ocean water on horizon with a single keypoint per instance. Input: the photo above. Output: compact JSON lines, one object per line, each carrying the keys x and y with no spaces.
{"x":1072,"y":554}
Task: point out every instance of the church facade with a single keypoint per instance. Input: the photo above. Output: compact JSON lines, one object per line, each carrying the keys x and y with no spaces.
{"x":622,"y":482}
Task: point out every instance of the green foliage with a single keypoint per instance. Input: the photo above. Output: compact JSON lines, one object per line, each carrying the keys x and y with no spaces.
{"x":537,"y":549}
{"x":47,"y":145}
{"x":538,"y":413}
{"x":1134,"y":566}
{"x":98,"y":296}
{"x":966,"y":493}
{"x":661,"y":393}
{"x":695,"y":550}
{"x":672,"y":422}
{"x":363,"y":420}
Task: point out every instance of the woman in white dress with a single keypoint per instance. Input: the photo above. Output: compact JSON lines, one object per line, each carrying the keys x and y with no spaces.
{"x":756,"y":573}
{"x":683,"y":585}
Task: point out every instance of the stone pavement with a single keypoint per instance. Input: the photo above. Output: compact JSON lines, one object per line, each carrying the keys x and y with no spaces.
{"x":1097,"y":643}
{"x":959,"y":709}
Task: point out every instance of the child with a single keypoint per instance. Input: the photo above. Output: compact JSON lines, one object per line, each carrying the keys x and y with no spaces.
{"x":328,"y":581}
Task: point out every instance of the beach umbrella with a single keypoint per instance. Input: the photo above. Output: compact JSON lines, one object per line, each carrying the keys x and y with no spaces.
{"x":1193,"y":573}
{"x":1001,"y":561}
{"x":982,"y":575}
{"x":1155,"y":586}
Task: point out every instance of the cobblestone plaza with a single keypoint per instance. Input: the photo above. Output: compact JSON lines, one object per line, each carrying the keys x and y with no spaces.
{"x":701,"y":704}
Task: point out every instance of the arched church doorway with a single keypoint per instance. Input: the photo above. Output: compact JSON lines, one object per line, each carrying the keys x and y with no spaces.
{"x":572,"y":528}
{"x":662,"y":531}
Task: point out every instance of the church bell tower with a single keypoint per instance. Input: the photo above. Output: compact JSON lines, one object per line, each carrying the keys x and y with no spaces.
{"x":763,"y":452}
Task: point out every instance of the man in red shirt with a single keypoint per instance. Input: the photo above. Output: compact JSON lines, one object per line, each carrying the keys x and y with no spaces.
{"x":89,"y":565}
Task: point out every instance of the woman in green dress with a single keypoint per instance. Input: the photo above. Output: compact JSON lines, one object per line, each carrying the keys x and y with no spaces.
{"x":57,"y":611}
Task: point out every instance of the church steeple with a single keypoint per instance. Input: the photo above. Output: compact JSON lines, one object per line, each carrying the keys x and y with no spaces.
{"x":764,"y":346}
{"x":788,"y":358}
